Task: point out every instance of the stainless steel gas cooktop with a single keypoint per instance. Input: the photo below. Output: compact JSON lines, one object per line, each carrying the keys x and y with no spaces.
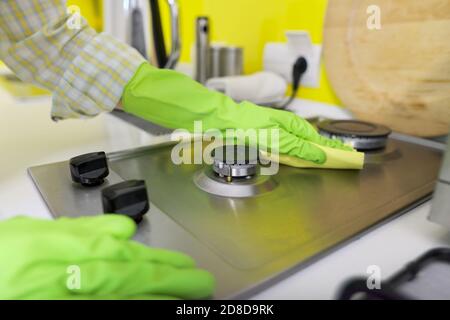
{"x":248,"y":230}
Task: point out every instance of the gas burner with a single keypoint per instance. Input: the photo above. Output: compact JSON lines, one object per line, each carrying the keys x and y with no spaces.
{"x":235,"y":162}
{"x":363,"y":136}
{"x":234,"y":174}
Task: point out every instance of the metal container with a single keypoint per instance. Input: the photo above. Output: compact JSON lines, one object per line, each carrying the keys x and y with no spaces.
{"x":202,"y":49}
{"x":214,"y":61}
{"x":232,"y":61}
{"x":225,"y":61}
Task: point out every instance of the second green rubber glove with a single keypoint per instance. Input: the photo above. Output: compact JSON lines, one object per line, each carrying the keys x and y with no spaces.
{"x":174,"y":100}
{"x":91,"y":258}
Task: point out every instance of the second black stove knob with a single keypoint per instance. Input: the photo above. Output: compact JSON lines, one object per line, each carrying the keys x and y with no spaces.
{"x":128,"y":198}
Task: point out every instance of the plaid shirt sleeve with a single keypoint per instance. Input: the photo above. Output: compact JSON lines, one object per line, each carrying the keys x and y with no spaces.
{"x":44,"y":44}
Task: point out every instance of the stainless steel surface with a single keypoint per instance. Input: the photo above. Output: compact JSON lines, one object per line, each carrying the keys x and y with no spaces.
{"x":440,"y":211}
{"x":209,"y":182}
{"x":247,"y":243}
{"x":130,"y":22}
{"x":225,"y":61}
{"x":232,"y":62}
{"x":202,"y":49}
{"x":175,"y":51}
{"x":378,"y":156}
{"x":137,"y":32}
{"x":145,"y":125}
{"x":445,"y":171}
{"x":215,"y":53}
{"x":76,"y":199}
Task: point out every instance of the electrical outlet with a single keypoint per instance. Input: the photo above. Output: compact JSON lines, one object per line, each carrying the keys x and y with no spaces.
{"x":280,"y":58}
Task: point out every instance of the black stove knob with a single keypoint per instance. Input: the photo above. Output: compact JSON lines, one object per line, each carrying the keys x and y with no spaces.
{"x":89,"y":169}
{"x":128,"y":198}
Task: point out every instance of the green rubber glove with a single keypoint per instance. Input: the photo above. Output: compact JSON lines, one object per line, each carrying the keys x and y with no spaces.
{"x":91,"y":258}
{"x":174,"y":100}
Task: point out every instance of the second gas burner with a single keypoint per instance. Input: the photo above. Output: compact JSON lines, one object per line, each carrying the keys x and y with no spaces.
{"x":363,"y":136}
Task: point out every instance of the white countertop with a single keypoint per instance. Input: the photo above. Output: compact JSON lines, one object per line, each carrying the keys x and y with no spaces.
{"x":28,"y":137}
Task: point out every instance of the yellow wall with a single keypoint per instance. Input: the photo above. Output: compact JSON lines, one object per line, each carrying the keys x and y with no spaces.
{"x":250,"y":24}
{"x":91,"y":10}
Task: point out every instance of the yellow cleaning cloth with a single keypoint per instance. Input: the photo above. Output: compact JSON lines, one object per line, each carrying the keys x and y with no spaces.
{"x":336,"y":159}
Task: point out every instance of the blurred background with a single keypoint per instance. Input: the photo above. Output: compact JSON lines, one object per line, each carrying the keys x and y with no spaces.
{"x":248,"y":24}
{"x":385,"y":63}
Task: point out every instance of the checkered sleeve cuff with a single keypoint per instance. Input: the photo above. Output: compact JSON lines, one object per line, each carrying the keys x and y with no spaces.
{"x":94,"y":81}
{"x":46,"y":45}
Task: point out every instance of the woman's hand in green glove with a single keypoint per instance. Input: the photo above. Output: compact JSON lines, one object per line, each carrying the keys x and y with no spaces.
{"x":91,"y":258}
{"x":176,"y":101}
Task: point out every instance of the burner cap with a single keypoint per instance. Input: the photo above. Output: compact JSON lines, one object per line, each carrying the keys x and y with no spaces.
{"x":235,"y":161}
{"x":361,"y":135}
